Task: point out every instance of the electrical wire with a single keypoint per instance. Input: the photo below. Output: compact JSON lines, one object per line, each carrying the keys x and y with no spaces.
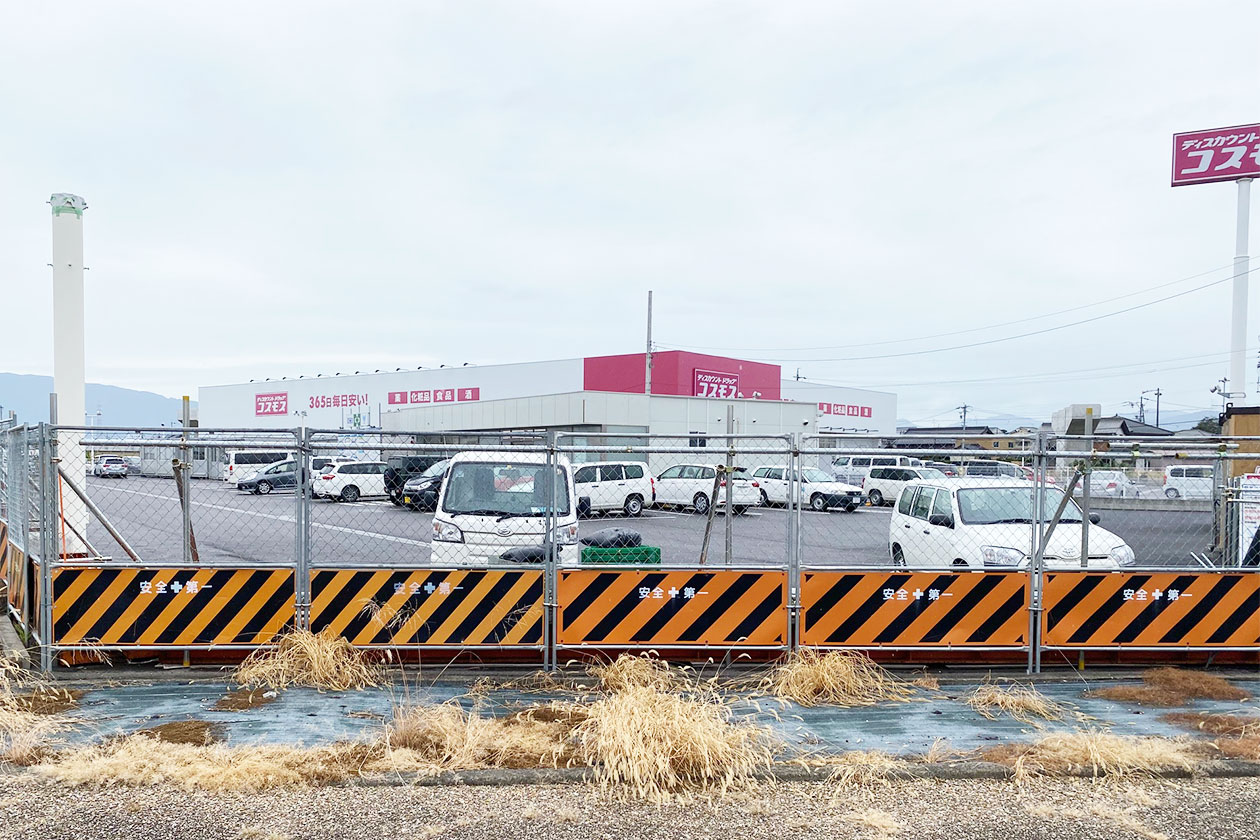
{"x":958,"y":332}
{"x":1025,"y":377}
{"x":992,"y":341}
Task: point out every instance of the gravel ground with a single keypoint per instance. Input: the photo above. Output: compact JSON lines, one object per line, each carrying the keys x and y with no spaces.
{"x":1220,"y":809}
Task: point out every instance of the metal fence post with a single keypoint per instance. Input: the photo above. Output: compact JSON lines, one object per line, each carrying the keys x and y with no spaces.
{"x":550,"y":577}
{"x":1041,"y":464}
{"x":794,"y":544}
{"x":181,"y":480}
{"x":302,"y":535}
{"x":49,"y":547}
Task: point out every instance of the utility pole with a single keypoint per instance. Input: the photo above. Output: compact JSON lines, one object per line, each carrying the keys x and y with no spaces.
{"x":963,"y":408}
{"x":1157,"y":395}
{"x":798,"y":374}
{"x":647,"y":374}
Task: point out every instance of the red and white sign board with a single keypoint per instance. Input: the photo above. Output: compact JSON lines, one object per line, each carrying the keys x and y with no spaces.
{"x":712,"y":383}
{"x":1218,"y":154}
{"x":434,"y":395}
{"x":845,"y":410}
{"x":270,"y":405}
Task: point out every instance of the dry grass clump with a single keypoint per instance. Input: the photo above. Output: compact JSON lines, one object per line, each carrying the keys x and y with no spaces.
{"x":644,"y":743}
{"x":862,"y":771}
{"x":881,"y":821}
{"x":630,"y":671}
{"x":1024,"y":703}
{"x":926,"y":682}
{"x":30,"y":713}
{"x":838,"y":678}
{"x":447,"y":737}
{"x":1095,"y":752}
{"x":186,"y":732}
{"x":257,"y":832}
{"x":1172,"y":687}
{"x":143,"y":760}
{"x":244,"y":699}
{"x":322,"y":660}
{"x":1215,"y":724}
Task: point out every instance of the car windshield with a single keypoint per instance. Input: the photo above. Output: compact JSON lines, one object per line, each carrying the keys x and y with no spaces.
{"x":436,"y":469}
{"x":930,"y":472}
{"x":503,"y":489}
{"x":814,"y":475}
{"x":994,"y":505}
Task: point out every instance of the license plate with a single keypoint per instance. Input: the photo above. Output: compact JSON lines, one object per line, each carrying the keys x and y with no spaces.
{"x":406,"y":500}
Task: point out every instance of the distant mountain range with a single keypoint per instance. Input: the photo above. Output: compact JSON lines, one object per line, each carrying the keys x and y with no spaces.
{"x":28,"y":396}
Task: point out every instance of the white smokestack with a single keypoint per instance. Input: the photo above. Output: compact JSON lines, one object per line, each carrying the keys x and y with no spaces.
{"x":68,"y":354}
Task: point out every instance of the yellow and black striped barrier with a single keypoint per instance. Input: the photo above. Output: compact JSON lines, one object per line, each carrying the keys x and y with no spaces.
{"x":1152,"y":610}
{"x":436,"y":607}
{"x":126,"y":606}
{"x":663,"y":609}
{"x":914,"y":609}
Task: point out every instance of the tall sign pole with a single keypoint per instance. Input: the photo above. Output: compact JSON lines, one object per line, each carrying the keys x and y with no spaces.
{"x":1226,"y":154}
{"x":68,"y":356}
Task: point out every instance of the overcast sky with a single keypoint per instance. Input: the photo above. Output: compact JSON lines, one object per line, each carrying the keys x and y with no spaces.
{"x":279,"y":189}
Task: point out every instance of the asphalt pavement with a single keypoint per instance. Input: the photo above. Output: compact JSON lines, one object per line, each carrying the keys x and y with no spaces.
{"x":233,"y":526}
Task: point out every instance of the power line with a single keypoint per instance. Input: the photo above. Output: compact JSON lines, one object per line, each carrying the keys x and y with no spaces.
{"x":992,"y":341}
{"x":969,"y":329}
{"x":1030,"y":377}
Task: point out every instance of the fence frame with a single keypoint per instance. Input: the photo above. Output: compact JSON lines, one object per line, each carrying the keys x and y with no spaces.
{"x":32,"y":505}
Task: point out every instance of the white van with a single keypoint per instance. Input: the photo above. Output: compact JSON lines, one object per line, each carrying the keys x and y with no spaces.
{"x":1188,"y":482}
{"x":495,"y":501}
{"x":851,"y":469}
{"x":245,"y":463}
{"x":613,"y":485}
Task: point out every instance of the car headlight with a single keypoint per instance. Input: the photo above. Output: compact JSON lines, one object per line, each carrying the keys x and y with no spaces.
{"x":994,"y":555}
{"x":446,"y":532}
{"x":565,"y":534}
{"x":1122,"y":555}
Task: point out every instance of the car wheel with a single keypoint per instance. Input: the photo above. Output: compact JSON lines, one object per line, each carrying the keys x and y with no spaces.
{"x":396,"y":498}
{"x":818,"y":502}
{"x":765,"y":500}
{"x":898,"y":557}
{"x":634,"y":506}
{"x":350,"y":494}
{"x":1172,"y":493}
{"x":877,"y":498}
{"x":959,"y":563}
{"x":700,"y":503}
{"x":264,"y":487}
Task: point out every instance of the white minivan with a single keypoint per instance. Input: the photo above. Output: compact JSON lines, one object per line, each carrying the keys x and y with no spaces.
{"x":495,"y":501}
{"x":1188,"y":482}
{"x":851,"y":469}
{"x":613,"y":485}
{"x":245,"y":463}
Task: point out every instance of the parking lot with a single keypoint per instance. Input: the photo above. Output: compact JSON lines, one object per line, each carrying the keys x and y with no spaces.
{"x":235,"y":527}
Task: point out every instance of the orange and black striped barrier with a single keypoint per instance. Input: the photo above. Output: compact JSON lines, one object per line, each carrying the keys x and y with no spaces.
{"x":914,"y":609}
{"x":1157,"y":610}
{"x":672,"y":608}
{"x":442,"y":608}
{"x":161,"y":607}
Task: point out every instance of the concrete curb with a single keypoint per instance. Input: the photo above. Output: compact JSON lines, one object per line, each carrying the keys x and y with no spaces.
{"x":961,"y":771}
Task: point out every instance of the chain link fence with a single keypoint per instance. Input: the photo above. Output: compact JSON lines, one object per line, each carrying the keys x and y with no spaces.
{"x":392,"y":518}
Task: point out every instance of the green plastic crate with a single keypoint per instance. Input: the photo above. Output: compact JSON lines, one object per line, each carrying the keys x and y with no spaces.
{"x":643,"y":555}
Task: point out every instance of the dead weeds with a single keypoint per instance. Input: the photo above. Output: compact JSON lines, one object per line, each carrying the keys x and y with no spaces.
{"x":809,"y":677}
{"x":645,"y":743}
{"x":197,"y":732}
{"x":245,"y":699}
{"x":1094,"y":752}
{"x":323,"y":660}
{"x":1171,"y":687}
{"x":1024,"y":703}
